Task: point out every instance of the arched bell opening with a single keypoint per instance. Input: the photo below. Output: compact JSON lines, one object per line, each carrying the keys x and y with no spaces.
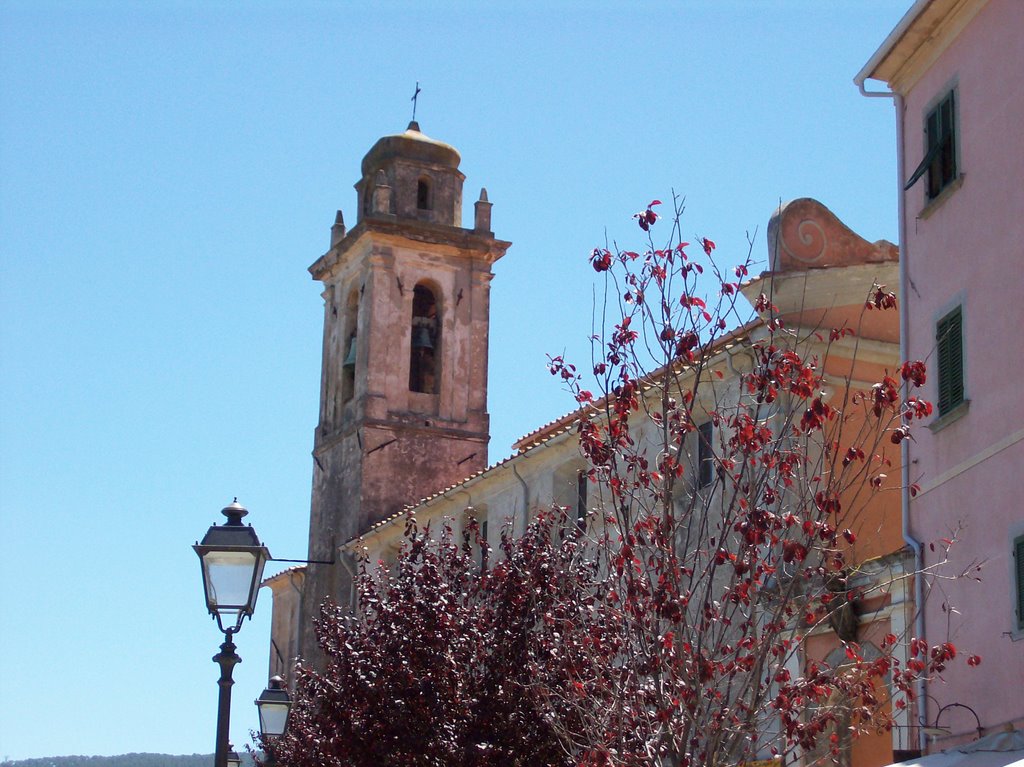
{"x":424,"y":351}
{"x":348,"y":366}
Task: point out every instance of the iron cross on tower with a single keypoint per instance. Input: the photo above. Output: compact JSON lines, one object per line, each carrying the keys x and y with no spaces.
{"x":415,"y":97}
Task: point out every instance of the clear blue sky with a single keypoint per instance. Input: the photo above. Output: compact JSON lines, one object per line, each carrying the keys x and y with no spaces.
{"x":168,"y":170}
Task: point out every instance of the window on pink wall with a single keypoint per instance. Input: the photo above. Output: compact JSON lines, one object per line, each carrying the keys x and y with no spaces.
{"x":949,"y":345}
{"x":939,"y":164}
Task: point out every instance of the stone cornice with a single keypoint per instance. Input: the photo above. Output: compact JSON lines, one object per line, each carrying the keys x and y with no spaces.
{"x":458,"y":242}
{"x":401,"y":422}
{"x":859,"y":349}
{"x":822,"y":289}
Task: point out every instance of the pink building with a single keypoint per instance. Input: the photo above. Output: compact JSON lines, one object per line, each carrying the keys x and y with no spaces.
{"x":956,"y":71}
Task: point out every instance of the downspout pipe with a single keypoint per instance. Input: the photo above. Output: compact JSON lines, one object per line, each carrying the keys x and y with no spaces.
{"x":345,"y":557}
{"x":526,"y":501}
{"x":298,"y":622}
{"x":908,"y":537}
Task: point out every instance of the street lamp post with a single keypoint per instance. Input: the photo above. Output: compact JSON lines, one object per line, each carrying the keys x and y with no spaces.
{"x":232,"y":559}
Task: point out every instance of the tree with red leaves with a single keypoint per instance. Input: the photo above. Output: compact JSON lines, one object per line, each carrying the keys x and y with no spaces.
{"x":447,"y":661}
{"x":733,"y":472}
{"x":732,"y":549}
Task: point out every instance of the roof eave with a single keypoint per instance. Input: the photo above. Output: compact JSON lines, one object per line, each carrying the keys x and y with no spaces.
{"x":880,"y":56}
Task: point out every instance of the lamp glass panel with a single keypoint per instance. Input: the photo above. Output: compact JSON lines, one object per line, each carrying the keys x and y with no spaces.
{"x":273,"y":717}
{"x":229,"y":579}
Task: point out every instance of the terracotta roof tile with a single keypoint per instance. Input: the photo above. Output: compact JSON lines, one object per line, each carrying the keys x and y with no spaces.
{"x":293,"y":569}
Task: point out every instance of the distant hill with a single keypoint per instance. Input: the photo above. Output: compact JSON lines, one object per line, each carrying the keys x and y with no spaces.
{"x":124,"y":760}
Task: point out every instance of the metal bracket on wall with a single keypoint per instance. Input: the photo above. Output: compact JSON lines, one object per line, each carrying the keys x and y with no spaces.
{"x":304,"y":561}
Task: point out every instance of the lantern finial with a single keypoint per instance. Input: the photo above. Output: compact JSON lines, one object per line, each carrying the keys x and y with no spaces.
{"x":234,"y":512}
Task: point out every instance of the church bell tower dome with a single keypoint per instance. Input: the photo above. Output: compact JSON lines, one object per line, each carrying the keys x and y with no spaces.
{"x":412,"y":176}
{"x":412,"y":145}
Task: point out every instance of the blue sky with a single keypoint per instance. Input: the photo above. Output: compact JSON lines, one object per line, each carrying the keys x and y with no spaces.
{"x":168,"y":170}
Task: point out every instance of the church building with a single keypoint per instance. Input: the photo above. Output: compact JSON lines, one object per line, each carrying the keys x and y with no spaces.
{"x":403,"y":421}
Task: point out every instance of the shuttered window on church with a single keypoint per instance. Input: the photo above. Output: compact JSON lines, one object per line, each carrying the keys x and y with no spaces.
{"x":581,"y":499}
{"x":949,"y":340}
{"x":705,"y":455}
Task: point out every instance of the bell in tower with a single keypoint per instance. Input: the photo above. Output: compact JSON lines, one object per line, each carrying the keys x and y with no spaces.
{"x":422,"y":348}
{"x":403,"y":401}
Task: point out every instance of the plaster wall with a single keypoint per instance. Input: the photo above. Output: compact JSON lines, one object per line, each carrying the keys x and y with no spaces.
{"x":965,"y":248}
{"x":285,"y":621}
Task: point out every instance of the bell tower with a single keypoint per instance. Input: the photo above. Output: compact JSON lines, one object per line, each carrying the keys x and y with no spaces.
{"x":403,"y":393}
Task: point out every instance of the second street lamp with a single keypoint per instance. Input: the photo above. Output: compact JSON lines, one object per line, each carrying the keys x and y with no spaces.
{"x":274,"y":704}
{"x":232,"y":559}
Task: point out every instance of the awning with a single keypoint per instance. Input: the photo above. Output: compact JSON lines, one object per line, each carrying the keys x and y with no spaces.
{"x":1000,"y":749}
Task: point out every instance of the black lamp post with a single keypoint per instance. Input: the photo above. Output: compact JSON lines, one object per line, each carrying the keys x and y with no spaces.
{"x":232,"y":560}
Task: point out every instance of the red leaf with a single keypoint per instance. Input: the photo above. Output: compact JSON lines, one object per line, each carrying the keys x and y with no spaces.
{"x":601,"y":260}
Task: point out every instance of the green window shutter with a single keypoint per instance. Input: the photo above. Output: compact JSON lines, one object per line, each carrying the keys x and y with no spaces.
{"x":950,"y":353}
{"x":931,"y":152}
{"x":1018,"y":555}
{"x":947,"y":143}
{"x":940,"y":148}
{"x":934,"y":148}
